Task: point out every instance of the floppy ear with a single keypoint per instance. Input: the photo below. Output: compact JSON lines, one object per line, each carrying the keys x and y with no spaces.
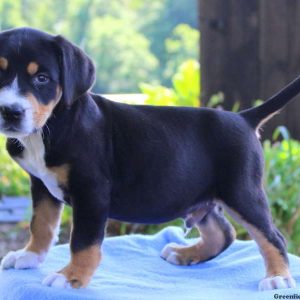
{"x":77,"y":70}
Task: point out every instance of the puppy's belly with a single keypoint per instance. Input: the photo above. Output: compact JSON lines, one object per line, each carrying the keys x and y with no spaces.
{"x":147,"y":212}
{"x":144,"y":218}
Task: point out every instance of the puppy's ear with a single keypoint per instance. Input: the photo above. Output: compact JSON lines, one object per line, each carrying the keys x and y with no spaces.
{"x":77,"y":70}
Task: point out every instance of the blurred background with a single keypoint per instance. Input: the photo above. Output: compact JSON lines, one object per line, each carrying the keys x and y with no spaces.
{"x":150,"y":52}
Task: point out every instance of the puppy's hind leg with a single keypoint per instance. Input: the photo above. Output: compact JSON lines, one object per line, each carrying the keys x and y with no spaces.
{"x":253,"y":213}
{"x":216,"y":235}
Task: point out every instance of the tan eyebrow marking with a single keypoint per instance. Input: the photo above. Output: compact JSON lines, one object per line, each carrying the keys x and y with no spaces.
{"x":32,"y":68}
{"x":3,"y":63}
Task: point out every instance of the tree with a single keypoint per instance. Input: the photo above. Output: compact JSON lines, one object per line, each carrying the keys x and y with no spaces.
{"x":161,"y":25}
{"x":122,"y":55}
{"x":126,"y":38}
{"x":10,"y":14}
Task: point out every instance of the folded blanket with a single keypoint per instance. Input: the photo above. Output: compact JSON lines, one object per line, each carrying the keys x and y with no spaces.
{"x":132,"y":269}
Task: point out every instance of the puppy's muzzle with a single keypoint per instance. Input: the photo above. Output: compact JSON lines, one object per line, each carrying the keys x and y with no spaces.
{"x":13,"y":113}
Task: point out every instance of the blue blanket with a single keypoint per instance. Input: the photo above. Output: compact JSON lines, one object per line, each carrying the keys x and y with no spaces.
{"x":132,"y":269}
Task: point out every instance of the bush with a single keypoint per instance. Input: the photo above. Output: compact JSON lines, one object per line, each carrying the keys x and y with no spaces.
{"x":185,"y":90}
{"x":282,"y":181}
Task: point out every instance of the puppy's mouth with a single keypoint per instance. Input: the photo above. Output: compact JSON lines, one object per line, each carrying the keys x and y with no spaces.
{"x":12,"y":131}
{"x":15,"y":129}
{"x":11,"y":128}
{"x":20,"y":129}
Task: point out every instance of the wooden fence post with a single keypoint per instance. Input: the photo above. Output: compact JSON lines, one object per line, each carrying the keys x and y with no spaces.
{"x":249,"y":50}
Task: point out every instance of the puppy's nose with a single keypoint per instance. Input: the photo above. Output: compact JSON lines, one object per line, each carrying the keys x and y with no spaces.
{"x":12,"y":113}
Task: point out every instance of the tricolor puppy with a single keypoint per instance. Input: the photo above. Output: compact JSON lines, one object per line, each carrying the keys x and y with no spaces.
{"x":128,"y":162}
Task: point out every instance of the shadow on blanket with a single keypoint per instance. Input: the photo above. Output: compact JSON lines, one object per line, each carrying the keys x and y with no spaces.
{"x":132,"y":269}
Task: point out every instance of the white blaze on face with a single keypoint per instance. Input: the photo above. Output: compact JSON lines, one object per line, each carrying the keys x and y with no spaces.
{"x":10,"y":96}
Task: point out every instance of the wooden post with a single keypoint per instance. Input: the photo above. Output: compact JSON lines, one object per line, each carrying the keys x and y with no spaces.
{"x":249,"y":50}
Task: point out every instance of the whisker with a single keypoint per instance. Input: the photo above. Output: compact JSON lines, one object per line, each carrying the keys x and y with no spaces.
{"x":15,"y":141}
{"x":48,"y":129}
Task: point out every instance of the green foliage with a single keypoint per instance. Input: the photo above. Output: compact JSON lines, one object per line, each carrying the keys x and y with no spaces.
{"x":66,"y":218}
{"x":282,"y":173}
{"x":185,"y":91}
{"x":10,"y":14}
{"x":159,"y":24}
{"x":13,"y":180}
{"x":123,"y":52}
{"x":180,"y":46}
{"x":216,"y":100}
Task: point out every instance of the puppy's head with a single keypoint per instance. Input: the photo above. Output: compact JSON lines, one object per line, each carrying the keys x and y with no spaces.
{"x":37,"y":72}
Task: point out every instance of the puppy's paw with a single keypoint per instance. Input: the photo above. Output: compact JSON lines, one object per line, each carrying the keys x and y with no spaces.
{"x":69,"y":277}
{"x":276,"y":282}
{"x":56,"y":280}
{"x":180,"y":255}
{"x":21,"y":259}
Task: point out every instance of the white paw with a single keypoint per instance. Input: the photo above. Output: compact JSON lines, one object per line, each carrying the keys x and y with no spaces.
{"x":178,"y":255}
{"x":169,"y":254}
{"x":56,"y":280}
{"x":21,"y":259}
{"x":276,"y":282}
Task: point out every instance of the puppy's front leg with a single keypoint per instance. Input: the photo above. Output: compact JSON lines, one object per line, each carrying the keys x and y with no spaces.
{"x":43,"y":229}
{"x":90,"y":213}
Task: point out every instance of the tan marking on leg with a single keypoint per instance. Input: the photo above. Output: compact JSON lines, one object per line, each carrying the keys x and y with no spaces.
{"x":208,"y":246}
{"x":41,"y":112}
{"x":274,"y":261}
{"x":44,"y":225}
{"x":212,"y":241}
{"x":82,"y":266}
{"x":3,"y":63}
{"x":61,"y":174}
{"x":32,"y":68}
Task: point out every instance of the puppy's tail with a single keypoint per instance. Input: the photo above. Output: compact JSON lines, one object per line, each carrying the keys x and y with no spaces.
{"x":259,"y":115}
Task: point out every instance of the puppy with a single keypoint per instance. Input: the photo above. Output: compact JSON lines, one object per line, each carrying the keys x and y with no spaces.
{"x":128,"y":162}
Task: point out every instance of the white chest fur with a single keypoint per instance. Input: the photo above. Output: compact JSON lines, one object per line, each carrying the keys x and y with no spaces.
{"x":33,"y":162}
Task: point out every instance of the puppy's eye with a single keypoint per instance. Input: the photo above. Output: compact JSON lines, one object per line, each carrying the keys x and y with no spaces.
{"x":41,"y":79}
